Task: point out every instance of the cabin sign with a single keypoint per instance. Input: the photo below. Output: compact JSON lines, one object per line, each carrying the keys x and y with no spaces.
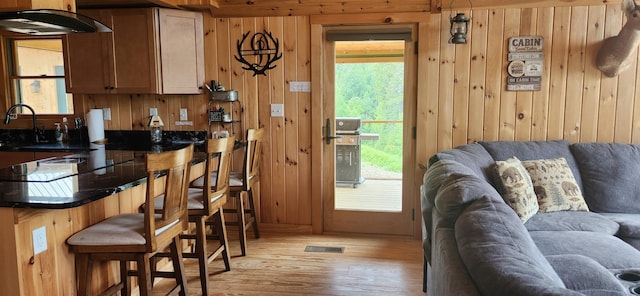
{"x":525,"y":63}
{"x":526,"y":44}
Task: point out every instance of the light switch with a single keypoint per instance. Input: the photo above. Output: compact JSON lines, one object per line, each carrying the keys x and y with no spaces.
{"x":153,"y":111}
{"x":106,"y":113}
{"x":183,"y":114}
{"x":277,"y":110}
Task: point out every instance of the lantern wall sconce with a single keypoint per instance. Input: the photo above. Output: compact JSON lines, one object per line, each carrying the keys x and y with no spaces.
{"x":459,"y":26}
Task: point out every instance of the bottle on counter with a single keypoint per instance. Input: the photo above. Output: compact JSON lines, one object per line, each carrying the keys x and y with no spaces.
{"x":58,"y":132}
{"x":65,"y":130}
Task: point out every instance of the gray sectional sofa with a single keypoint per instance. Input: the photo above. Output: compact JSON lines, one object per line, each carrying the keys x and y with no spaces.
{"x":475,"y":243}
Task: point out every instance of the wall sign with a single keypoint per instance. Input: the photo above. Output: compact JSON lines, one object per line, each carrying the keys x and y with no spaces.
{"x":260,"y":54}
{"x":525,"y":63}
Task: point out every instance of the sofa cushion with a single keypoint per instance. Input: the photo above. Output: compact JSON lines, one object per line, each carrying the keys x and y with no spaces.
{"x":499,"y":254}
{"x":437,"y":173}
{"x":474,"y":156}
{"x":629,"y":223}
{"x":516,"y":187}
{"x":583,"y":274}
{"x":572,"y":221}
{"x":555,"y":185}
{"x":610,"y":175}
{"x":610,"y":251}
{"x":531,"y":150}
{"x":457,"y":191}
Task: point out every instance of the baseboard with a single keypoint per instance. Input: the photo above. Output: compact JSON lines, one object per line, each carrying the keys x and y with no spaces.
{"x":288,"y":228}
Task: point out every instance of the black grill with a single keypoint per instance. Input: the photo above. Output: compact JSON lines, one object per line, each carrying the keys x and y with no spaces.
{"x":348,"y":169}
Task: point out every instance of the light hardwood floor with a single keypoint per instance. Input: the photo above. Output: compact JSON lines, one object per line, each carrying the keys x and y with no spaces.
{"x":276,"y":264}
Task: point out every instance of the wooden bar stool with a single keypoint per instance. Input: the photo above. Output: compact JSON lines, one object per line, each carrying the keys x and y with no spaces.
{"x":238,"y":186}
{"x":139,"y":236}
{"x":205,"y":208}
{"x":243,"y":182}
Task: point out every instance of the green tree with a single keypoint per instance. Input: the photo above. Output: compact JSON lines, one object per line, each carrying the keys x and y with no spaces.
{"x":374,"y":91}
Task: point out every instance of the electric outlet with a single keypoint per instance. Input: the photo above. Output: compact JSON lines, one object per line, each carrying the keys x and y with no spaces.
{"x":183,"y":114}
{"x":39,"y":240}
{"x":277,"y":110}
{"x":106,"y":113}
{"x":153,"y":111}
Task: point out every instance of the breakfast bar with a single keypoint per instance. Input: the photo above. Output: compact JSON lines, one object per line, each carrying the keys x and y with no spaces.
{"x":43,"y":202}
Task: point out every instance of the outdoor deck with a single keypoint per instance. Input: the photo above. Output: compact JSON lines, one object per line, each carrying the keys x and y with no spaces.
{"x":372,"y":195}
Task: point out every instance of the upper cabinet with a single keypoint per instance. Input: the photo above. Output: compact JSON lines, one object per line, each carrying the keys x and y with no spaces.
{"x":12,"y":5}
{"x":150,"y":51}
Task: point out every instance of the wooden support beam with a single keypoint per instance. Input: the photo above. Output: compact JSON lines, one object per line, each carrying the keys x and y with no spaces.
{"x":207,"y":5}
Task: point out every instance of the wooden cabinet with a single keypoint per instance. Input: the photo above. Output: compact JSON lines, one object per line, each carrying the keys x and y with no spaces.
{"x":150,"y":51}
{"x":12,"y":5}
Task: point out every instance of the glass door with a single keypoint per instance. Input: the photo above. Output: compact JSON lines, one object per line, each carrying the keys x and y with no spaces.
{"x":365,"y":103}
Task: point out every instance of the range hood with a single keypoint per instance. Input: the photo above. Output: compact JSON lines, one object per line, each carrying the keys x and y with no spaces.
{"x":49,"y":22}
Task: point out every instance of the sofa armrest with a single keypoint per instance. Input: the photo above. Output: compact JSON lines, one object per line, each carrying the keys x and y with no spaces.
{"x":447,"y":274}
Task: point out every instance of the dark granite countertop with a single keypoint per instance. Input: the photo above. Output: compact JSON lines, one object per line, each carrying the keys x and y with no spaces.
{"x":74,"y":180}
{"x":91,"y":173}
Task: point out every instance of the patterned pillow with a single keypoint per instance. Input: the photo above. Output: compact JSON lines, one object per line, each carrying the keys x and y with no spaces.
{"x":555,"y":185}
{"x":516,"y":187}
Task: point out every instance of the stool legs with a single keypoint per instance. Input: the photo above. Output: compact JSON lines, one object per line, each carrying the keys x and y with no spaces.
{"x":201,"y":253}
{"x":144,"y":275}
{"x":242,"y":230}
{"x":244,"y":221}
{"x":253,"y":219}
{"x":83,"y":271}
{"x":178,"y":265}
{"x":221,"y":231}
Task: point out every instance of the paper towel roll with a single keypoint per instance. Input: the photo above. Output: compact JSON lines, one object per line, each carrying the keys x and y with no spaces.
{"x":95,"y":125}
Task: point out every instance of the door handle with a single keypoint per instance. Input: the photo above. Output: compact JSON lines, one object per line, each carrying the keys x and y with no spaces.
{"x":327,"y":132}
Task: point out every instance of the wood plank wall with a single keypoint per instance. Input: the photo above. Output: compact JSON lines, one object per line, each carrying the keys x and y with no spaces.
{"x":461,"y":92}
{"x":576,"y":102}
{"x":286,"y":161}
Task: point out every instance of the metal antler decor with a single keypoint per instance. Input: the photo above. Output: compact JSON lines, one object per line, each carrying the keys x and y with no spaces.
{"x":263,"y":51}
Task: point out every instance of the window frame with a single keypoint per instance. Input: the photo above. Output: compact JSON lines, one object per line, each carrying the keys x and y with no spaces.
{"x":12,"y":79}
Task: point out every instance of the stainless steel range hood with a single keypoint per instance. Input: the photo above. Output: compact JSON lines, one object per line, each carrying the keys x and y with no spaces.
{"x":49,"y":22}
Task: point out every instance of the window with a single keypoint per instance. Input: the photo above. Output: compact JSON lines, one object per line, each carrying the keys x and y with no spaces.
{"x":36,"y":70}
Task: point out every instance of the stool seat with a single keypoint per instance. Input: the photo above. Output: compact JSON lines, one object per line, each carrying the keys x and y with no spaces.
{"x":235,"y":180}
{"x":195,"y":201}
{"x":124,"y":229}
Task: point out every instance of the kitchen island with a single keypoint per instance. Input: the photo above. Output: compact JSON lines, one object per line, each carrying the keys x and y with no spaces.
{"x":43,"y":202}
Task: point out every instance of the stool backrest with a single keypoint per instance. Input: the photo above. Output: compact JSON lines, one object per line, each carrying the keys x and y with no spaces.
{"x":253,"y":150}
{"x":219,"y":153}
{"x":168,"y":175}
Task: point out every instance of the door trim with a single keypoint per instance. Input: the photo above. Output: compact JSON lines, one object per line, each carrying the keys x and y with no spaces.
{"x":317,"y":116}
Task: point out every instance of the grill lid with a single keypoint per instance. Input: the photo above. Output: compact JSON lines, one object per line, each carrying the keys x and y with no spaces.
{"x":350,"y":125}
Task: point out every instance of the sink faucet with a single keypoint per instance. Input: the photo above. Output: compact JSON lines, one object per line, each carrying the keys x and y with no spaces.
{"x":36,"y":132}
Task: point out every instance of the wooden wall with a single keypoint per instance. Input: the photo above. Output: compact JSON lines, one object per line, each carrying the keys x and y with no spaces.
{"x":461,"y":92}
{"x":285,"y":171}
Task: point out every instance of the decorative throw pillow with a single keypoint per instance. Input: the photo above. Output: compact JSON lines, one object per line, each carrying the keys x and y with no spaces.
{"x":516,"y":187}
{"x":555,"y":186}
